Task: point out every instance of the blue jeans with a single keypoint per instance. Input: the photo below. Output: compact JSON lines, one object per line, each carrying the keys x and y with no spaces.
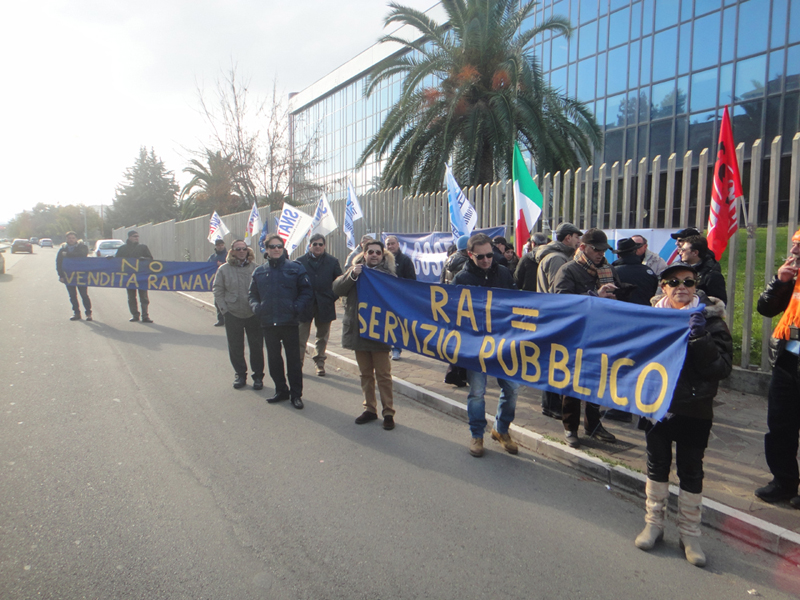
{"x":476,"y":406}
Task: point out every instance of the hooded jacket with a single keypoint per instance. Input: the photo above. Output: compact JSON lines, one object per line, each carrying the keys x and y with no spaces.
{"x":345,"y":287}
{"x":279,"y":292}
{"x":551,"y":257}
{"x":322,"y":272}
{"x":232,"y":284}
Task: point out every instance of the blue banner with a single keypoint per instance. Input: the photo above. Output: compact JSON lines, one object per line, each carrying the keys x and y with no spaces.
{"x":137,"y":273}
{"x":616,"y":354}
{"x":429,"y":250}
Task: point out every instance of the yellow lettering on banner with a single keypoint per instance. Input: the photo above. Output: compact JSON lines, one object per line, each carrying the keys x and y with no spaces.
{"x":69,"y":278}
{"x":131,"y":281}
{"x":658,"y":368}
{"x":618,"y":364}
{"x":94,"y":278}
{"x":431,"y":329}
{"x":483,"y":354}
{"x":389,"y":326}
{"x":174,"y":282}
{"x":416,"y":339}
{"x":373,"y":322}
{"x":558,"y":365}
{"x":489,"y":311}
{"x":210,"y":280}
{"x":469,"y":313}
{"x":436,"y":305}
{"x":439,"y":344}
{"x":151,"y":281}
{"x":404,"y":331}
{"x":514,"y":364}
{"x":185,"y":285}
{"x":164,"y":285}
{"x":80,"y":278}
{"x":133,"y":266}
{"x":601,"y":391}
{"x":362,"y":324}
{"x":454,"y":358}
{"x":155,"y":266}
{"x":530,"y":360}
{"x":198,"y":283}
{"x":576,"y":381}
{"x":105,"y":279}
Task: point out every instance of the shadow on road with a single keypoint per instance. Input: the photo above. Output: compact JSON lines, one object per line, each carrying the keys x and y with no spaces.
{"x":153,"y":336}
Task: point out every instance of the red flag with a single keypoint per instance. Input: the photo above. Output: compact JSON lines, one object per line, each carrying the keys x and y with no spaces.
{"x":723,"y":218}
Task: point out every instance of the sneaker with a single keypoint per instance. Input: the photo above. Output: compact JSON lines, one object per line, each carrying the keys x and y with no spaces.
{"x":297,"y":402}
{"x":476,"y":447}
{"x":88,"y":316}
{"x":134,"y":319}
{"x":258,"y":383}
{"x":365,"y":417}
{"x":146,"y":319}
{"x":505,"y":441}
{"x":602,"y":434}
{"x":775,"y":492}
{"x":571,"y":437}
{"x":239,"y":382}
{"x":321,"y":369}
{"x":388,"y":422}
{"x":75,"y":317}
{"x":396,"y":353}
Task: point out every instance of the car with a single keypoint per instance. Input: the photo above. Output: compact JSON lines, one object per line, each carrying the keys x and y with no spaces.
{"x":107,"y":248}
{"x":46,"y":243}
{"x":34,"y":240}
{"x":2,"y":262}
{"x":19,"y":245}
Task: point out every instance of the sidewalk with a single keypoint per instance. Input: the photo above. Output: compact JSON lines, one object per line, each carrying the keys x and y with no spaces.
{"x":734,"y":462}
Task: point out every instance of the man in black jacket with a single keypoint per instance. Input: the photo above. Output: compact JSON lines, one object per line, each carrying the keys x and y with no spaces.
{"x":630,"y":269}
{"x":404,"y":269}
{"x":322,"y":270}
{"x":783,"y":404}
{"x":72,"y":248}
{"x":525,"y":274}
{"x":482,"y":271}
{"x":694,"y":251}
{"x":133,"y":249}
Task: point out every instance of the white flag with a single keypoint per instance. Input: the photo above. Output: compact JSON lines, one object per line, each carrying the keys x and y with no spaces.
{"x":352,"y":213}
{"x":463,"y":217}
{"x":253,"y":223}
{"x":324,"y":221}
{"x":293,"y":225}
{"x":216,"y":228}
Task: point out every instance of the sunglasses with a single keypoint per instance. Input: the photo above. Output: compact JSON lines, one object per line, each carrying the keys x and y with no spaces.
{"x":317,"y":244}
{"x":483,"y":256}
{"x":373,"y":252}
{"x":689,"y":282}
{"x":274,"y":246}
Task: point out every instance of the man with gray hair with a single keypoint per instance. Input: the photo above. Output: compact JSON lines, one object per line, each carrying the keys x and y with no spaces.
{"x":651,"y":259}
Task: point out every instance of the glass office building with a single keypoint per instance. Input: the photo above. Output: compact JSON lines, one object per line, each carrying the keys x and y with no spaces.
{"x":656,"y":74}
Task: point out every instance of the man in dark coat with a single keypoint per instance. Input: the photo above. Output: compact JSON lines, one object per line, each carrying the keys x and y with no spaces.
{"x":404,"y":269}
{"x":630,"y":269}
{"x":279,"y":294}
{"x":694,"y":251}
{"x":372,"y":356}
{"x":322,"y":270}
{"x":133,"y":249}
{"x":525,"y":274}
{"x":219,"y":257}
{"x":73,"y":248}
{"x":481,"y":270}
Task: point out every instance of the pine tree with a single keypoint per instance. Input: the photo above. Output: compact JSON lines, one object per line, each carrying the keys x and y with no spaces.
{"x":147,"y":195}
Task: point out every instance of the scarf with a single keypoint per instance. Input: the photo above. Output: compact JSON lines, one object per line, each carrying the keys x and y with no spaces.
{"x":791,"y":316}
{"x":665,"y":303}
{"x":603,"y":272}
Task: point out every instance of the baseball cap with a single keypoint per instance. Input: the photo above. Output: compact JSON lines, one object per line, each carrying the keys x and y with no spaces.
{"x":597,"y":238}
{"x":684,"y":233}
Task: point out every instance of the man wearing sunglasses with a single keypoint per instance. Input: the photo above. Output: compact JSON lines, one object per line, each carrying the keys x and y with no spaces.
{"x":588,"y":273}
{"x":783,"y":403}
{"x":372,"y":356}
{"x":279,"y":293}
{"x":231,"y":285}
{"x":322,"y":269}
{"x":481,"y":270}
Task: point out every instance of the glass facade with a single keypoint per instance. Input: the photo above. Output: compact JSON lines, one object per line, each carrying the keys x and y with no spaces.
{"x":656,"y":73}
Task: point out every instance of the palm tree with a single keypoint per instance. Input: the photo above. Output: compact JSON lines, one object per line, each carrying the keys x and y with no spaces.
{"x":211,"y":187}
{"x":489,"y":93}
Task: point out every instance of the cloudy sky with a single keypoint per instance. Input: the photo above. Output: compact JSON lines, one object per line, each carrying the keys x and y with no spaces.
{"x":88,"y":82}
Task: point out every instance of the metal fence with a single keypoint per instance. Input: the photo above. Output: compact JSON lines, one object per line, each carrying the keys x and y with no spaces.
{"x":648,"y":194}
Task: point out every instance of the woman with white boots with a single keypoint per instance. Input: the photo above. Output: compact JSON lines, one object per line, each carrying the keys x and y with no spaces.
{"x":688,"y":422}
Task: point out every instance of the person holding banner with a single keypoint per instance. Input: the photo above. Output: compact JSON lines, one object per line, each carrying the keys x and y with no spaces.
{"x":72,"y":248}
{"x":133,"y":249}
{"x":219,"y":257}
{"x":481,"y":270}
{"x":279,"y":294}
{"x":356,"y":251}
{"x":783,"y":404}
{"x":709,"y":356}
{"x":372,"y":356}
{"x":404,"y":269}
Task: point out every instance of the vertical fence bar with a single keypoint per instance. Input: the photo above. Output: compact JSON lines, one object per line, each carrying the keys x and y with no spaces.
{"x":772,"y":226}
{"x":613,"y":196}
{"x":588,"y":197}
{"x":641,"y":190}
{"x":750,"y":259}
{"x":686,"y":189}
{"x":655,"y":187}
{"x":576,"y":198}
{"x":557,"y":216}
{"x":794,"y":190}
{"x":702,"y":177}
{"x":627,"y":190}
{"x":733,"y":252}
{"x":547,"y":209}
{"x":601,"y":196}
{"x":567,"y":189}
{"x":669,"y":201}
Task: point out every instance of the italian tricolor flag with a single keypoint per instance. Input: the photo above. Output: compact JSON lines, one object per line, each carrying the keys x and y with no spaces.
{"x":527,"y":201}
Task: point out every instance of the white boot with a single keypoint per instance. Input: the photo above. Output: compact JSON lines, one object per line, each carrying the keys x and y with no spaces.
{"x":656,"y":504}
{"x":690,"y":513}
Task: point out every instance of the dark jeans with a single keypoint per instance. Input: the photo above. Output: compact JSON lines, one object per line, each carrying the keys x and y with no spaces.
{"x":290,"y":336}
{"x":73,"y":291}
{"x":783,"y":421}
{"x":235,"y":330}
{"x":220,"y":316}
{"x":571,"y":414}
{"x":691,"y":439}
{"x":551,"y":401}
{"x":143,"y":298}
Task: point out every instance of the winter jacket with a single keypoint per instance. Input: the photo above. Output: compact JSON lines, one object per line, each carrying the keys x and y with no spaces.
{"x":219,"y":257}
{"x":345,"y":287}
{"x":572,"y":278}
{"x":280,"y":292}
{"x":772,"y":302}
{"x":453,"y":265}
{"x":708,"y":361}
{"x":630,"y":269}
{"x":80,"y":250}
{"x":710,"y":279}
{"x":526,"y":272}
{"x":655,"y":262}
{"x":404,"y":267}
{"x":321,"y":272}
{"x":134,"y":250}
{"x":232,"y":285}
{"x":496,"y":276}
{"x":551,"y":257}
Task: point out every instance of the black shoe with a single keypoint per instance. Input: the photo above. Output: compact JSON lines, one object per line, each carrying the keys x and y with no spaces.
{"x":278,"y":397}
{"x":365,"y":417}
{"x":571,"y":437}
{"x":388,"y":422}
{"x":134,"y":319}
{"x":240,"y":382}
{"x":775,"y":492}
{"x":258,"y":383}
{"x":75,"y":317}
{"x":795,"y":502}
{"x":219,"y":324}
{"x":551,"y":413}
{"x":297,"y":402}
{"x":88,"y":316}
{"x":614,"y":414}
{"x":602,"y":434}
{"x":146,"y":319}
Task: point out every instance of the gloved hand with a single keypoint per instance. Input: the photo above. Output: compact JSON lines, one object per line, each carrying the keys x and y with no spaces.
{"x":697,"y":324}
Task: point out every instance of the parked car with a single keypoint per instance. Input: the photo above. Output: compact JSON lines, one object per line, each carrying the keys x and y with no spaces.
{"x":34,"y":240}
{"x":21,"y":246}
{"x":107,"y":248}
{"x":46,"y":243}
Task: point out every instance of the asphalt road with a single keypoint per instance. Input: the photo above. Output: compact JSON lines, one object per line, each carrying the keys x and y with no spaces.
{"x":130,"y":468}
